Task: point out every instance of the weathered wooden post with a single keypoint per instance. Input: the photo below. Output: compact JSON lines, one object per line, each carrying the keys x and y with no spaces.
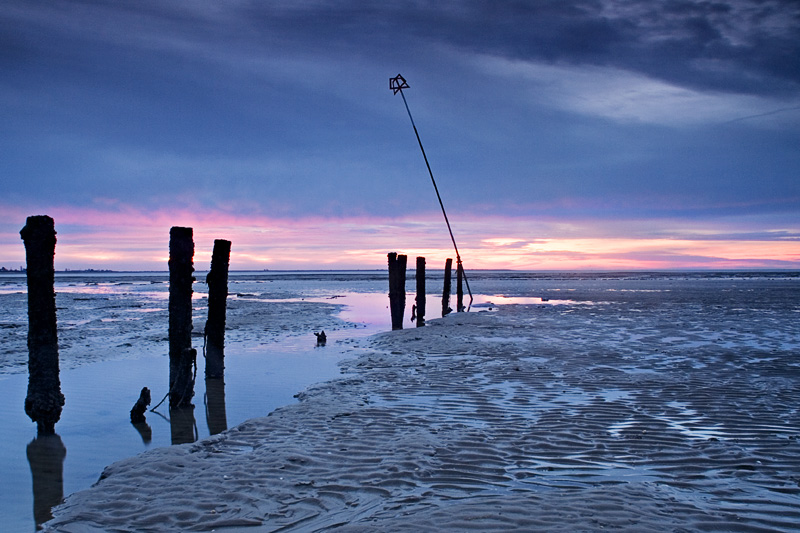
{"x":420,"y":301}
{"x":217,"y":280}
{"x":448,"y":267}
{"x":397,"y":288}
{"x":459,"y":288}
{"x":44,"y":400}
{"x":181,"y":355}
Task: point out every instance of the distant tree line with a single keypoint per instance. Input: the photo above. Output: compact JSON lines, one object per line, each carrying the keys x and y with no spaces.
{"x":23,"y":269}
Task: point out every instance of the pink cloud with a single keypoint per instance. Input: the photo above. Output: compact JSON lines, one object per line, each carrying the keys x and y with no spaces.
{"x":121,"y":237}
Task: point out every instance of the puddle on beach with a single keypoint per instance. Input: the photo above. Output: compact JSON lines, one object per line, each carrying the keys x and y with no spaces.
{"x":95,"y":429}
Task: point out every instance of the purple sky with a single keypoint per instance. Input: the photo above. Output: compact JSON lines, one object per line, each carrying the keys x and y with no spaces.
{"x":552,"y":127}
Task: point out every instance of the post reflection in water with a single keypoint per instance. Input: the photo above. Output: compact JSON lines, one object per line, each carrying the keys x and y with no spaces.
{"x":144,"y":430}
{"x":215,"y":406}
{"x":46,"y":455}
{"x":182,"y":424}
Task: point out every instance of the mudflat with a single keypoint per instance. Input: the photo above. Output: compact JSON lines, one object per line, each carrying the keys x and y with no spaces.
{"x":645,"y":415}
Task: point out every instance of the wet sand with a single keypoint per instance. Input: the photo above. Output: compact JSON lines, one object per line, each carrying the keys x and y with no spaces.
{"x":642,"y":416}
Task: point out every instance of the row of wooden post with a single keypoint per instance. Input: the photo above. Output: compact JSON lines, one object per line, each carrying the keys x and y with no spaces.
{"x":182,"y":357}
{"x":397,"y":289}
{"x":44,"y":400}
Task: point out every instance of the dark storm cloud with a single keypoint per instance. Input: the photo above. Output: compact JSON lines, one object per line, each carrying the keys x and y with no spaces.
{"x":747,"y":46}
{"x":285,"y":103}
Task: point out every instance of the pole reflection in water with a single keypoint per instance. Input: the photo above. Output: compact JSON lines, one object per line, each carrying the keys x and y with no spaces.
{"x":144,"y":430}
{"x":46,"y":455}
{"x":215,"y":406}
{"x":182,"y":424}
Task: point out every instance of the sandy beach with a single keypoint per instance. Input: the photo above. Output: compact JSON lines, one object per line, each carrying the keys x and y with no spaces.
{"x":662,"y":412}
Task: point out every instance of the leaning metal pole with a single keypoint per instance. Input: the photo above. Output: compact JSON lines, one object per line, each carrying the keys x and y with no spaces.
{"x":397,"y":84}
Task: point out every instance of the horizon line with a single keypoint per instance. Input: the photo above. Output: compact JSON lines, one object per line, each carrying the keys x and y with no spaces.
{"x":4,"y":270}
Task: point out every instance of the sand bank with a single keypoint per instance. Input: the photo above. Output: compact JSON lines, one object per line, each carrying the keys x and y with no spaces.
{"x":528,"y":418}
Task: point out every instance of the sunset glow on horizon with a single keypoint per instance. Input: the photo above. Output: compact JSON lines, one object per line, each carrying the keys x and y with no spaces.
{"x":94,"y":239}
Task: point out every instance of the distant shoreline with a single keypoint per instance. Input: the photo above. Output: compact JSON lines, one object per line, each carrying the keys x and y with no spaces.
{"x":4,"y":270}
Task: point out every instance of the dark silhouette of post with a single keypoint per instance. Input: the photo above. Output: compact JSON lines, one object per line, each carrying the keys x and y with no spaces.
{"x":459,"y":288}
{"x":182,"y":357}
{"x":138,"y":419}
{"x":322,"y":339}
{"x":216,"y":416}
{"x":46,"y":455}
{"x":44,"y":400}
{"x":420,"y":301}
{"x":140,"y":407}
{"x":448,"y":267}
{"x":397,"y":288}
{"x":217,"y":280}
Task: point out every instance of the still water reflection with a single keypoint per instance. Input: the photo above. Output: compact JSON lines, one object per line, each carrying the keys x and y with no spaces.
{"x":215,"y":406}
{"x":259,"y":378}
{"x":182,"y":424}
{"x":144,"y":430}
{"x":46,"y":455}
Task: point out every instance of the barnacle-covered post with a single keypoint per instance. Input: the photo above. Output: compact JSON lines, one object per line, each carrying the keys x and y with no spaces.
{"x":397,"y":288}
{"x":448,"y":268}
{"x":459,"y":288}
{"x":420,"y":301}
{"x":217,"y":280}
{"x":181,"y":354}
{"x":44,"y":400}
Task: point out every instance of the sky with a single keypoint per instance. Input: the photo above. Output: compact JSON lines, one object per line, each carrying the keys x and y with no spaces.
{"x":563,"y":134}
